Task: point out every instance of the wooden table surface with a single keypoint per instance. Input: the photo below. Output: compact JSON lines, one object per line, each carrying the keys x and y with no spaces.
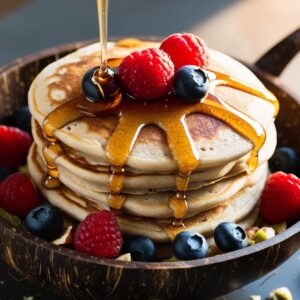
{"x":244,"y":29}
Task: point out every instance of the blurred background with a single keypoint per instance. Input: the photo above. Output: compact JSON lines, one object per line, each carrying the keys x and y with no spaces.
{"x":242,"y":28}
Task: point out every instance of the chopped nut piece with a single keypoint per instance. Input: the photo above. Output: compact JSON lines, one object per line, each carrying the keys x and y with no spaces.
{"x":124,"y":257}
{"x":171,"y":259}
{"x":255,"y":297}
{"x":24,"y":169}
{"x":282,"y":293}
{"x":9,"y":217}
{"x":264,"y":234}
{"x":251,"y":242}
{"x":279,"y":227}
{"x":66,"y":238}
{"x":251,"y":232}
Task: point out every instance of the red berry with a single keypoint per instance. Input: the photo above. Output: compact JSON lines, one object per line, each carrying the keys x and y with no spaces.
{"x":99,"y":235}
{"x":280,"y":199}
{"x":147,"y":74}
{"x":15,"y":145}
{"x":18,"y":194}
{"x":186,"y":49}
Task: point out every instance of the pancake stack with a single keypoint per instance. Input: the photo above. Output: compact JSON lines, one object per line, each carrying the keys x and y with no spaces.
{"x":220,"y":189}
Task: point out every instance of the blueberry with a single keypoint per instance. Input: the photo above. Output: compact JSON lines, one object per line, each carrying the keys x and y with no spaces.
{"x":286,"y":160}
{"x":140,"y":247}
{"x":22,"y":119}
{"x":190,"y":245}
{"x":230,"y":236}
{"x":45,"y":221}
{"x":191,"y":83}
{"x":109,"y":85}
{"x":3,"y":173}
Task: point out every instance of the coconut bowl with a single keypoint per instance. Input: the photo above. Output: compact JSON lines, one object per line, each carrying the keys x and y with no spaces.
{"x":78,"y":276}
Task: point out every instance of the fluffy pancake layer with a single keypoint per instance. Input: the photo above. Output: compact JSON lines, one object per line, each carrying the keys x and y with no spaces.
{"x":96,"y":177}
{"x":235,"y":205}
{"x":216,"y":142}
{"x":155,"y":205}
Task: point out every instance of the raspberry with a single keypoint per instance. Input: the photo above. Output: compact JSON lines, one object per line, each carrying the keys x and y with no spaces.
{"x":186,"y":49}
{"x":147,"y":74}
{"x":280,"y":199}
{"x":15,"y":145}
{"x":99,"y":235}
{"x":18,"y":194}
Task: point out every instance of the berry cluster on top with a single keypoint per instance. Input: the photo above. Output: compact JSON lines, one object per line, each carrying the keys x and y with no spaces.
{"x":177,"y":65}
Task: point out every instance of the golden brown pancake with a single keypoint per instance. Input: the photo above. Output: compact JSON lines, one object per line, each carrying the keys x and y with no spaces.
{"x":96,"y":177}
{"x":220,"y":189}
{"x":216,"y":142}
{"x":233,"y":209}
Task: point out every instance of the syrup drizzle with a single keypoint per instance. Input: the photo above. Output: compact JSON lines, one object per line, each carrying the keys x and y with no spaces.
{"x":103,"y":16}
{"x":170,"y":115}
{"x":63,"y":115}
{"x":116,"y":200}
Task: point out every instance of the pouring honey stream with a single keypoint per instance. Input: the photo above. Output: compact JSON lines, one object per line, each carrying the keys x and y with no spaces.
{"x":169,"y":114}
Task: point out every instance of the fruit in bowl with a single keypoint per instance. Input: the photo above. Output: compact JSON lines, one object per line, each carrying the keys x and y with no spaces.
{"x":222,"y":185}
{"x":87,"y":159}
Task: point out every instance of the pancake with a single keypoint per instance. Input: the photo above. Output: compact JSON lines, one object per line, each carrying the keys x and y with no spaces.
{"x":233,"y":209}
{"x":76,"y":162}
{"x":186,"y":170}
{"x":154,"y":205}
{"x":97,"y":178}
{"x":216,"y":142}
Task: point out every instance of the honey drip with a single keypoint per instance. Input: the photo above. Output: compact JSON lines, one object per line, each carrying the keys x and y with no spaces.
{"x":51,"y":180}
{"x":63,"y":115}
{"x":102,"y":16}
{"x":170,"y":115}
{"x":116,"y":199}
